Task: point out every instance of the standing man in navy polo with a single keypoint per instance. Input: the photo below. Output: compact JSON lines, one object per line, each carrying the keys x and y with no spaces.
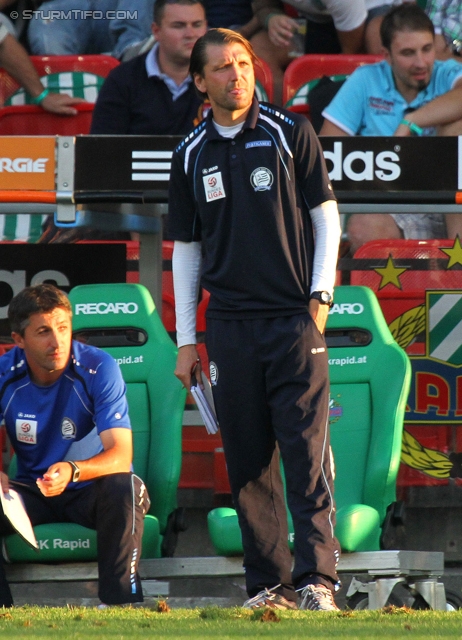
{"x":253,"y":215}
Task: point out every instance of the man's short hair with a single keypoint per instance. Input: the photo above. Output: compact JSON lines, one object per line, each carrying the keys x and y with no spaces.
{"x":159,"y":7}
{"x":215,"y":37}
{"x":404,"y":17}
{"x":41,"y":298}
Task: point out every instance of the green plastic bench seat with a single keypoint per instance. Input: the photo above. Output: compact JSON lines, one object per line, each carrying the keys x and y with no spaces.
{"x":370,"y":378}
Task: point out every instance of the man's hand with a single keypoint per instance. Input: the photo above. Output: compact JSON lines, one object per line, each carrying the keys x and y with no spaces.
{"x":281,"y":29}
{"x":319,"y":312}
{"x":61,"y":104}
{"x":55,"y":480}
{"x":187,"y":362}
{"x":4,"y":480}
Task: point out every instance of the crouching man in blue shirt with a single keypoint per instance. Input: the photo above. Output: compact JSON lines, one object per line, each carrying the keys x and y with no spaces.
{"x":66,"y":415}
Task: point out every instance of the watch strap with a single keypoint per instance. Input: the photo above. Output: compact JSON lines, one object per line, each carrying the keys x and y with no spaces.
{"x":75,"y":471}
{"x":324,"y":297}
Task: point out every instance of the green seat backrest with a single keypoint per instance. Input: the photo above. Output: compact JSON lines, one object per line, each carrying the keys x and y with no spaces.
{"x":350,"y":434}
{"x":138,"y":403}
{"x":370,"y":377}
{"x":124,"y":315}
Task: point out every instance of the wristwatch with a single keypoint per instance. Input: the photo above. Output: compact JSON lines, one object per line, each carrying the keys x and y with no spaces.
{"x":75,"y":471}
{"x":324,"y":297}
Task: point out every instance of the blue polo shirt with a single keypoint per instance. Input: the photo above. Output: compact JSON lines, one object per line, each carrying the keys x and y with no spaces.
{"x":61,"y":421}
{"x":368,"y":104}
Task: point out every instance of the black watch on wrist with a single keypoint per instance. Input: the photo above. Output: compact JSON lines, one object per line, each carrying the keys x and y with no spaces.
{"x":324,"y":297}
{"x":75,"y":471}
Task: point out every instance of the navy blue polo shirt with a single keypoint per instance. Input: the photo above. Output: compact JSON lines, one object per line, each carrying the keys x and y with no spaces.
{"x":247,"y":200}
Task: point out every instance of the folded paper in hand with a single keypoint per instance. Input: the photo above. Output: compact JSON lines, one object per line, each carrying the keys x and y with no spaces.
{"x":204,"y":401}
{"x":14,"y":510}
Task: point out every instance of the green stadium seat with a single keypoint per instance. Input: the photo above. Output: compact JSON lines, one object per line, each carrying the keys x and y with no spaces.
{"x":370,"y":377}
{"x":122,"y":319}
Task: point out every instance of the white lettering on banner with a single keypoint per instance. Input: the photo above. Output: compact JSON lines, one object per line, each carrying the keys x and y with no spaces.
{"x":353,"y":308}
{"x":102,"y":308}
{"x":58,"y":543}
{"x":130,"y":360}
{"x":50,"y":274}
{"x":74,"y":14}
{"x":350,"y":360}
{"x":23,"y":165}
{"x":43,"y":544}
{"x":17,"y":281}
{"x":384,"y":166}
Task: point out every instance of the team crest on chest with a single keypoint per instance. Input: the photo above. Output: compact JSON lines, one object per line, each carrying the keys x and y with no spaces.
{"x":68,"y":429}
{"x":26,"y":431}
{"x":213,"y":185}
{"x":261,"y":179}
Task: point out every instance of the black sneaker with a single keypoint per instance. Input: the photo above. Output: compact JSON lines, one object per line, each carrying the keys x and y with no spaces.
{"x":267,"y":598}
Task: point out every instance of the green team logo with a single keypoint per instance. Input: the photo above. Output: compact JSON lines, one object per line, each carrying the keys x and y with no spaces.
{"x":444,"y":326}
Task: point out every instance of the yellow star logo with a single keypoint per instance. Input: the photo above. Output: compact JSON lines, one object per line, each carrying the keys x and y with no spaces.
{"x":454,"y":253}
{"x":390,"y":274}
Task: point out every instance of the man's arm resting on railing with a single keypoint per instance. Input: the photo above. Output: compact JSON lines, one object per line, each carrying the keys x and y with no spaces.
{"x":16,"y":61}
{"x":440,"y":112}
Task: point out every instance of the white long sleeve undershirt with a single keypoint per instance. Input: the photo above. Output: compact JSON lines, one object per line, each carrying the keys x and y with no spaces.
{"x":327,"y":232}
{"x":186,"y":266}
{"x":187,"y":258}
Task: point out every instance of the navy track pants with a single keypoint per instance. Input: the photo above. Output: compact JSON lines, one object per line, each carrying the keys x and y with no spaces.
{"x":270,"y":384}
{"x":115,"y":506}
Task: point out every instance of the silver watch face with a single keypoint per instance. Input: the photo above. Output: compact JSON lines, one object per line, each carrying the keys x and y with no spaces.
{"x":324,"y":297}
